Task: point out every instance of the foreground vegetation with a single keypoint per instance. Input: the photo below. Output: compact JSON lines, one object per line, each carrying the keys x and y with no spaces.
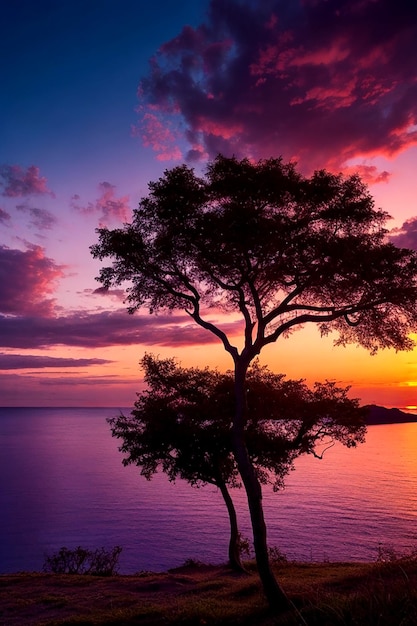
{"x":275,"y":250}
{"x":382,"y":594}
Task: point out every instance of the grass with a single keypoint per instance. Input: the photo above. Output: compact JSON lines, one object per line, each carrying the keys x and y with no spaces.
{"x":322,"y":594}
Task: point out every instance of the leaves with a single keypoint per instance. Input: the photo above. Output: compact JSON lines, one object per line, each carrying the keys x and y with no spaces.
{"x":182,"y":422}
{"x":274,"y":247}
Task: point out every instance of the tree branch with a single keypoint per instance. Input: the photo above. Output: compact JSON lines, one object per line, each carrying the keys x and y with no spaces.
{"x":195,"y":314}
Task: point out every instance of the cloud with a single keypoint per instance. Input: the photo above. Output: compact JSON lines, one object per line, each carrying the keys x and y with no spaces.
{"x":27,"y":361}
{"x":108,"y":207}
{"x":118,"y":295}
{"x":98,"y":330}
{"x":156,"y":134}
{"x":88,"y":381}
{"x":112,"y":208}
{"x":40,"y":218}
{"x":18,"y":182}
{"x":406,"y":236}
{"x":5,"y":217}
{"x":27,"y":279}
{"x":64,"y":389}
{"x":320,"y":82}
{"x":368,"y":173}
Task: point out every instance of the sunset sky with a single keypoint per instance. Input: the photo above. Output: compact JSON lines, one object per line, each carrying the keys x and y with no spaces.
{"x":99,"y":97}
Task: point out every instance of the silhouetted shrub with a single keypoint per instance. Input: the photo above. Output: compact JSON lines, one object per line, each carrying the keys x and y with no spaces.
{"x":100,"y":562}
{"x":388,"y":554}
{"x":244,"y":546}
{"x":275,"y":554}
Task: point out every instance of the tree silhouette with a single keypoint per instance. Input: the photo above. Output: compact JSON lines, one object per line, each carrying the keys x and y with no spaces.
{"x":181,"y":424}
{"x":276,"y":248}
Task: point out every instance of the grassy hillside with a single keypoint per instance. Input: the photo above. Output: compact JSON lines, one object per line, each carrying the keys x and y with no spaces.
{"x":322,"y":594}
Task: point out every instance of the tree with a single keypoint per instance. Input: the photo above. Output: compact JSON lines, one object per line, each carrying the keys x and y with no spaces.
{"x":276,"y":248}
{"x":181,"y":423}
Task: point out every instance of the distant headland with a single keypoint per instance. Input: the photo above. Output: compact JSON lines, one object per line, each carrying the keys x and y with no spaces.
{"x":381,"y":415}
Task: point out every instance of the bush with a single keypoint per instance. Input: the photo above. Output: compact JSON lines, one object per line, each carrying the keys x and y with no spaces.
{"x":275,"y":554}
{"x":388,"y":554}
{"x":244,"y":546}
{"x":100,"y":562}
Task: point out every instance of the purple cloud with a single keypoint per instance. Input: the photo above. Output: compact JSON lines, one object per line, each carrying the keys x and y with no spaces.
{"x":87,"y":381}
{"x":320,"y":82}
{"x":27,"y":279}
{"x":18,"y":182}
{"x":5,"y":217}
{"x":406,"y":236}
{"x":114,"y":294}
{"x":40,"y":218}
{"x":28,"y":361}
{"x":103,"y":329}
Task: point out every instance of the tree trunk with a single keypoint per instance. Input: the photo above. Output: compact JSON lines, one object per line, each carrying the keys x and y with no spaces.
{"x":234,"y":552}
{"x":275,"y":595}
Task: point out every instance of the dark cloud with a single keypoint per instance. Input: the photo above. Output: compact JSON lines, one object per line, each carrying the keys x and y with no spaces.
{"x":27,"y":279}
{"x":108,"y":207}
{"x":115,"y":294}
{"x":319,"y":81}
{"x":87,"y":381}
{"x":406,"y":236}
{"x":103,"y":329}
{"x":55,"y":389}
{"x":18,"y":182}
{"x":41,"y":219}
{"x":5,"y":217}
{"x":28,"y":361}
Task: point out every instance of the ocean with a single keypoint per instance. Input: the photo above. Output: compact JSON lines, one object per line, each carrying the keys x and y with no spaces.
{"x":62,"y":483}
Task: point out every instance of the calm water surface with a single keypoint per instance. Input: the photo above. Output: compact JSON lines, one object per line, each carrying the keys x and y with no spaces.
{"x":62,"y":483}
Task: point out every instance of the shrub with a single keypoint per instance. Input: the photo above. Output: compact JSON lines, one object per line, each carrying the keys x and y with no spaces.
{"x":275,"y":554}
{"x":388,"y":554}
{"x":99,"y":562}
{"x":244,"y":546}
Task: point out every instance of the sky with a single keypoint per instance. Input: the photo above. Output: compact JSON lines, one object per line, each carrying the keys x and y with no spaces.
{"x":100,"y":97}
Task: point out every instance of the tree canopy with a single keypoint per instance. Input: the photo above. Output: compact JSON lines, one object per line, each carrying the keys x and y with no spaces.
{"x":181,"y":424}
{"x":277,"y":249}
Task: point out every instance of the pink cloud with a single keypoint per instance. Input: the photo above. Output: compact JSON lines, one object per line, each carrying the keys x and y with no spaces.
{"x":325,"y":81}
{"x":109,"y":208}
{"x":216,"y":128}
{"x":27,"y":279}
{"x":370,"y":174}
{"x":329,"y":98}
{"x":157,"y":135}
{"x":18,"y":182}
{"x":112,"y":209}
